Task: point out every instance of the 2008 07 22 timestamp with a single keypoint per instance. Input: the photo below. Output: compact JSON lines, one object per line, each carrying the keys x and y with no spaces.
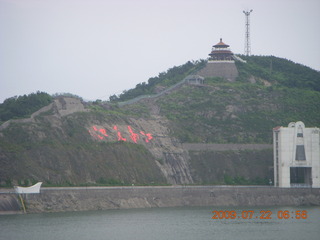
{"x":263,"y":214}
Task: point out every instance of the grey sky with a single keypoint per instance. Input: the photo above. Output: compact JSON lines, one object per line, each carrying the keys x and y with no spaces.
{"x":97,"y":48}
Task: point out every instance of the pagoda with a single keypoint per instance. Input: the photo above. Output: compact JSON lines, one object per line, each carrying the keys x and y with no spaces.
{"x":221,"y":52}
{"x":221,"y":63}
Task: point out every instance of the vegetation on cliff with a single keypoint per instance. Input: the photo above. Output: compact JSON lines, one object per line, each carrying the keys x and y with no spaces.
{"x":237,"y":112}
{"x":67,"y":155}
{"x":246,"y":167}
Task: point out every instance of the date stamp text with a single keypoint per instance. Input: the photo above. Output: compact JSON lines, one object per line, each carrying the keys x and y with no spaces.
{"x":263,"y":214}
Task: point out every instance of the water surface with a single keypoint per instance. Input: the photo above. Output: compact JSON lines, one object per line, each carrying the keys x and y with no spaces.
{"x":160,"y":223}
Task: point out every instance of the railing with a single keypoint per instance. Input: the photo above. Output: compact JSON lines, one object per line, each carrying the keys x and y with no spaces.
{"x":239,"y":59}
{"x":134,"y":100}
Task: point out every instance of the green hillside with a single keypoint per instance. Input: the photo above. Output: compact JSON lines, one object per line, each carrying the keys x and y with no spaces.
{"x":63,"y":146}
{"x":160,"y":82}
{"x":237,"y":112}
{"x":279,"y":71}
{"x":242,"y":112}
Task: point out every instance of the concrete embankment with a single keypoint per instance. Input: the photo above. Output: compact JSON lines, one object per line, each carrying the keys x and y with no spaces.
{"x":100,"y":198}
{"x":9,"y":203}
{"x":224,"y":147}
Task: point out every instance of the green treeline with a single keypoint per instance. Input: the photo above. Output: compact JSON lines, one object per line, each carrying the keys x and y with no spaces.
{"x":23,"y":106}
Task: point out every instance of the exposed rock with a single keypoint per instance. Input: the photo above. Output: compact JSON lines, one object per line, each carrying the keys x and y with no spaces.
{"x":101,"y":198}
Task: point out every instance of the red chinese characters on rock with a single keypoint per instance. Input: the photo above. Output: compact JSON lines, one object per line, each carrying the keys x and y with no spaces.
{"x":133,"y":136}
{"x":101,"y":134}
{"x":120,"y":138}
{"x":100,"y":131}
{"x":148,"y":135}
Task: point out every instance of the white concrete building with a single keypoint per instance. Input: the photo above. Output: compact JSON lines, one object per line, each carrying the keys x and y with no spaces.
{"x":296,"y":151}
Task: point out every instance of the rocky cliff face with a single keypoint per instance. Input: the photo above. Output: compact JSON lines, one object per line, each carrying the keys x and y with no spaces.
{"x":69,"y":143}
{"x":153,"y":134}
{"x":66,"y":142}
{"x":137,"y":139}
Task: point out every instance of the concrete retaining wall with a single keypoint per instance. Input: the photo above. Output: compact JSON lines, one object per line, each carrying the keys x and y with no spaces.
{"x":224,"y":147}
{"x":100,"y":198}
{"x":9,"y":203}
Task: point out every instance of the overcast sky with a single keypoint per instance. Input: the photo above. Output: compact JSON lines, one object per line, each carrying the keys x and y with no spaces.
{"x":97,"y":48}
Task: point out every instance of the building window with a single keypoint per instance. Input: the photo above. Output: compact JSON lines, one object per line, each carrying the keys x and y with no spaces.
{"x":300,"y":153}
{"x":300,"y":176}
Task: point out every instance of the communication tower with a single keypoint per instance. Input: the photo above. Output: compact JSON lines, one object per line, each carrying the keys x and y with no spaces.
{"x":247,"y":47}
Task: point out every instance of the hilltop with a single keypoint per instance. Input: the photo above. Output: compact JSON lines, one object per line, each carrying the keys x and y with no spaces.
{"x":142,"y":135}
{"x":269,"y":91}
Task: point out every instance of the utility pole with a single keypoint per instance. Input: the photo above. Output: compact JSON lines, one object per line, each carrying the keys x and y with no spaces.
{"x":247,"y":47}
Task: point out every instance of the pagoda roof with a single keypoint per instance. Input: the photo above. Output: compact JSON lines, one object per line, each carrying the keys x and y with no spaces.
{"x":221,"y":44}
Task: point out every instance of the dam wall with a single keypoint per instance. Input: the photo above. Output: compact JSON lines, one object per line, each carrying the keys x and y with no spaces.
{"x":103,"y":198}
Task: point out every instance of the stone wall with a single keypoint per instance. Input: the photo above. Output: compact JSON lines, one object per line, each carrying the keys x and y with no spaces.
{"x":102,"y":198}
{"x":227,"y":70}
{"x":224,"y":147}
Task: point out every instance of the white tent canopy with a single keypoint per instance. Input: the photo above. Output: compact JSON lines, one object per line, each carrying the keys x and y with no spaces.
{"x":33,"y":189}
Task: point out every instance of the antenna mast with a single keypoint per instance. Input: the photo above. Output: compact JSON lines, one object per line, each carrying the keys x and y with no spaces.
{"x":247,"y":47}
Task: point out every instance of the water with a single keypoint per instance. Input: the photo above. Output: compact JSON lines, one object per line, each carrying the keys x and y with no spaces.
{"x":160,"y":223}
